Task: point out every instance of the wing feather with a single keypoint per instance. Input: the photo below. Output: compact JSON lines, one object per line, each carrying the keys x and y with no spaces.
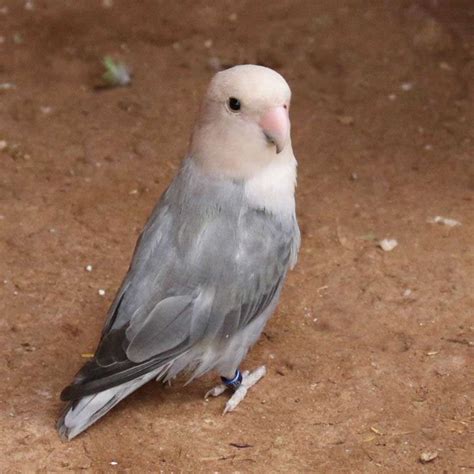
{"x":201,"y":270}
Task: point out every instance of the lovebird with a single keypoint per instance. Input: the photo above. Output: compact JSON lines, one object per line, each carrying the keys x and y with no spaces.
{"x":211,"y":261}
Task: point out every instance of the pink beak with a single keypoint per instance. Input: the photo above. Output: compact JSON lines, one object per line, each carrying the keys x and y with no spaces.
{"x":275,"y":124}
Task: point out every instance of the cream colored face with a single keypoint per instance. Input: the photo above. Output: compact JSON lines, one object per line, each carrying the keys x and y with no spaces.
{"x":244,"y":121}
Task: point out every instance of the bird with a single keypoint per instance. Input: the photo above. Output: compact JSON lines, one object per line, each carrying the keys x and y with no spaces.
{"x":211,"y":261}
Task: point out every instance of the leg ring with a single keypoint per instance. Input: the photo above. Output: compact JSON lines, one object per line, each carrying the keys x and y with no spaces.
{"x":234,"y":382}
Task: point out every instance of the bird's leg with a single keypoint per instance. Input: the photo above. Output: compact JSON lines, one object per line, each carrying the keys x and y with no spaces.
{"x":240,"y":384}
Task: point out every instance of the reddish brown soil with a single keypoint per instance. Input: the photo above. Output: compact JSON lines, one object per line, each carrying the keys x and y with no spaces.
{"x":370,"y":354}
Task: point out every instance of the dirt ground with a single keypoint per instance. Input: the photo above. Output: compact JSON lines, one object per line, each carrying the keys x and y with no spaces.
{"x":370,"y":354}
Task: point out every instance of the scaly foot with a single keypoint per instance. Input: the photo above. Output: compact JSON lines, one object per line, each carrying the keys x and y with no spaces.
{"x":249,"y":379}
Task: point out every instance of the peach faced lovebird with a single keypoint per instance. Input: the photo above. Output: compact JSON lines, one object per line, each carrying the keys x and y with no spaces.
{"x":210,"y":264}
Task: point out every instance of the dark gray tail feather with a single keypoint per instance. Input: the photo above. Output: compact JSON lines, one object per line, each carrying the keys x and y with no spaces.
{"x":79,"y":414}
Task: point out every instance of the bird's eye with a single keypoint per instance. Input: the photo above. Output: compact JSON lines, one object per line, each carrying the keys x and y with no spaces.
{"x":234,"y":104}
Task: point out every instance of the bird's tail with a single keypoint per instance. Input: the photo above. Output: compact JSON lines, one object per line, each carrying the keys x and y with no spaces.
{"x":79,"y":414}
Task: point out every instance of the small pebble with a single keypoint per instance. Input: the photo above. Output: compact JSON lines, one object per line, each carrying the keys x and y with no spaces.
{"x":3,"y":145}
{"x":445,"y":221}
{"x":345,"y":119}
{"x":392,"y":97}
{"x":387,"y":245}
{"x":113,"y":463}
{"x":428,"y":456}
{"x":208,"y":43}
{"x":445,"y":66}
{"x":88,"y":268}
{"x":406,"y":86}
{"x":101,"y":292}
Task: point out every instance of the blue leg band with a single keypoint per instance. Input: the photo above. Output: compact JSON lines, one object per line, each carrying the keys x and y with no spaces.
{"x":234,"y":382}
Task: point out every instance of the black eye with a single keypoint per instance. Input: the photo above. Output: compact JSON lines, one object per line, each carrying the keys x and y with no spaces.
{"x":234,"y":104}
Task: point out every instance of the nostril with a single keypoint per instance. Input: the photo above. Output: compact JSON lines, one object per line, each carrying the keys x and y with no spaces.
{"x":285,"y":106}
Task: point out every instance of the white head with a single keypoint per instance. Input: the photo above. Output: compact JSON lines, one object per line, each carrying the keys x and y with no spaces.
{"x":243,"y":124}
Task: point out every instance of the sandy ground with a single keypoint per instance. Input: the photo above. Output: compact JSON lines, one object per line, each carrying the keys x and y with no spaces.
{"x":370,"y":354}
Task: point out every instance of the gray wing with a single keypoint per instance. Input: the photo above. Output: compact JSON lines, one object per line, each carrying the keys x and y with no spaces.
{"x":204,"y":267}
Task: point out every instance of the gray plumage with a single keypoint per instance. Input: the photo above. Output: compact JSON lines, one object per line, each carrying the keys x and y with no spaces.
{"x":205,"y":277}
{"x":211,"y":261}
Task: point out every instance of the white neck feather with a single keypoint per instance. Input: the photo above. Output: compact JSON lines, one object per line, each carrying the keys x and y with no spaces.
{"x":273,"y":187}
